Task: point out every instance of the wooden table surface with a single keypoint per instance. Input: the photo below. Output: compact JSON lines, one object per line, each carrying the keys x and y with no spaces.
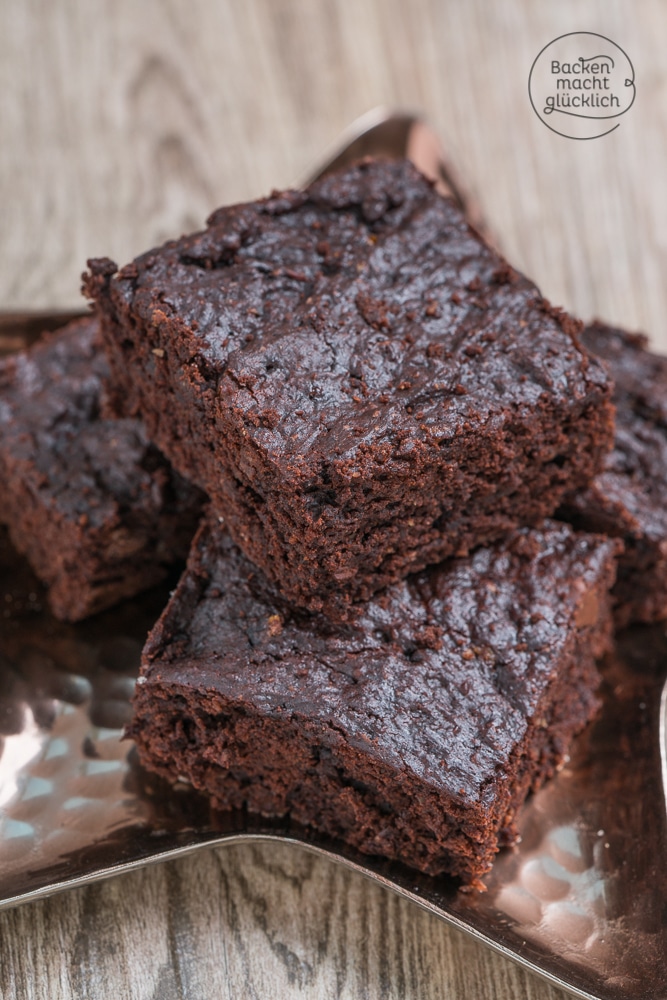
{"x":124,"y":123}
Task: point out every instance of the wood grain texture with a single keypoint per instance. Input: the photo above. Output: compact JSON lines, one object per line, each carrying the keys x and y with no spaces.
{"x":122,"y":124}
{"x":263,"y":922}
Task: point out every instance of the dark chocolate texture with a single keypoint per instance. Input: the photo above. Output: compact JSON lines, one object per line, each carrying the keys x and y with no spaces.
{"x":627,"y":499}
{"x":93,"y":505}
{"x":414,"y":732}
{"x":360,"y":384}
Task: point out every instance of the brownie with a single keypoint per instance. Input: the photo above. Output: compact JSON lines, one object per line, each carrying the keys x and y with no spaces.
{"x":415,"y":731}
{"x":627,"y":499}
{"x":361,"y":385}
{"x":90,"y":501}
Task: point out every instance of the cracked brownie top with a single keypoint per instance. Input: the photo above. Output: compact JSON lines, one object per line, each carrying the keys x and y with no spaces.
{"x":358,"y":311}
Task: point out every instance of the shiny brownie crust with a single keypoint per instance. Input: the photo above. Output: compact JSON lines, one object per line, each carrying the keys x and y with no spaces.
{"x":360,"y":384}
{"x":415,"y":732}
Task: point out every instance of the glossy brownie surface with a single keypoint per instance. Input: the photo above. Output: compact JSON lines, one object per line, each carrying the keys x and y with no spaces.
{"x":450,"y":684}
{"x":348,"y":368}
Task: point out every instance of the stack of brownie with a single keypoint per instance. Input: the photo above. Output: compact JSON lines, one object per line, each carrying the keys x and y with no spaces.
{"x":378,"y":633}
{"x":90,"y":501}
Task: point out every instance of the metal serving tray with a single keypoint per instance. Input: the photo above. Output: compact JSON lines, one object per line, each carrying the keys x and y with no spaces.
{"x":582,"y":900}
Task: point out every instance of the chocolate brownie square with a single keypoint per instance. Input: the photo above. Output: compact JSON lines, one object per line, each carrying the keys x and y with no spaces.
{"x":360,"y":384}
{"x":414,"y":732}
{"x":627,"y":499}
{"x":93,"y":505}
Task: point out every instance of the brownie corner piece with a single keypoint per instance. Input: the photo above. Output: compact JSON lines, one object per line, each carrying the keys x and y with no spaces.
{"x":358,"y":381}
{"x":414,"y":733}
{"x":95,"y":508}
{"x":626,"y":499}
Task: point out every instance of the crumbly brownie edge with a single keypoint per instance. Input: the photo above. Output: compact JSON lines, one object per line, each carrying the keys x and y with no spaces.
{"x":380,"y":532}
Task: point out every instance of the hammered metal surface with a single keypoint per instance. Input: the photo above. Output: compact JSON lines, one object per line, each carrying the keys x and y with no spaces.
{"x":582,"y":899}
